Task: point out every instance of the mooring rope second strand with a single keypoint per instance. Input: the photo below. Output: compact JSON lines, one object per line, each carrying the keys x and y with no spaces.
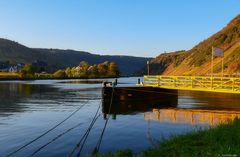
{"x":45,"y":133}
{"x":54,"y":139}
{"x":96,"y":116}
{"x":97,"y":148}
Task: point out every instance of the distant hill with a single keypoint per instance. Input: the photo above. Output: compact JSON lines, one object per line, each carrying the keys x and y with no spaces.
{"x":17,"y":53}
{"x":197,"y":61}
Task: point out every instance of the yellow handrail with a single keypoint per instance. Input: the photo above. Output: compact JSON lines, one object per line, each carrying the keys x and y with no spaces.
{"x":196,"y":83}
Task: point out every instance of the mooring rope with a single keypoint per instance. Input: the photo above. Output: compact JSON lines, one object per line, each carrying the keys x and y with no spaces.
{"x":97,"y":148}
{"x":45,"y":133}
{"x":84,"y":137}
{"x":54,"y":139}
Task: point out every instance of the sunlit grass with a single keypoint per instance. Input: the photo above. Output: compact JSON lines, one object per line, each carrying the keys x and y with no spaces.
{"x":223,"y":140}
{"x":8,"y":75}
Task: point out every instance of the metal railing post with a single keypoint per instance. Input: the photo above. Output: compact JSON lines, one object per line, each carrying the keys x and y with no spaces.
{"x":174,"y":82}
{"x":211,"y":82}
{"x":232,"y":84}
{"x":222,"y":82}
{"x":192,"y":81}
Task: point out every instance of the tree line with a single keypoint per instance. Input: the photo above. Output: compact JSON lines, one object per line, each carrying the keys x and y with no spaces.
{"x":83,"y":70}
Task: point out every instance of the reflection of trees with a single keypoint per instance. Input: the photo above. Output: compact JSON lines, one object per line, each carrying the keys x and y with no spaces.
{"x":13,"y":93}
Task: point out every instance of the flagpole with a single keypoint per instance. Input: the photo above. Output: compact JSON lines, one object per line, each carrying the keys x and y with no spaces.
{"x":222,"y":65}
{"x":212,"y":69}
{"x":212,"y":63}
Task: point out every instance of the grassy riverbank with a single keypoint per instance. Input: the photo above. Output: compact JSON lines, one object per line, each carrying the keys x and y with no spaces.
{"x":223,"y":140}
{"x":9,"y":75}
{"x":17,"y":76}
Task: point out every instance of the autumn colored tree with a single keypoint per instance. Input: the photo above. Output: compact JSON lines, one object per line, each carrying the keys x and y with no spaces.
{"x":103,"y":69}
{"x":85,"y":70}
{"x":94,"y":71}
{"x":113,"y":70}
{"x":73,"y":72}
{"x":27,"y":71}
{"x":68,"y":72}
{"x":60,"y":74}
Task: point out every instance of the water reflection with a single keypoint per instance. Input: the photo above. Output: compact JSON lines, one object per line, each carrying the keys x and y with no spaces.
{"x":21,"y":97}
{"x":134,"y":100}
{"x":12,"y":94}
{"x":193,"y":117}
{"x":193,"y":108}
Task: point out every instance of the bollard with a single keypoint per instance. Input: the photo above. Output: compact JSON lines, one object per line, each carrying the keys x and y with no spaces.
{"x":104,"y":116}
{"x":104,"y":84}
{"x":139,"y":81}
{"x":114,"y":83}
{"x":114,"y":116}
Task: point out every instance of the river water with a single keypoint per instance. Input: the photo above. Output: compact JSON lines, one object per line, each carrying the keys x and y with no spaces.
{"x":30,"y":108}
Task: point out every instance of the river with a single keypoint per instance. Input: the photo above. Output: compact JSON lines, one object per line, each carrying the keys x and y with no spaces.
{"x":30,"y":108}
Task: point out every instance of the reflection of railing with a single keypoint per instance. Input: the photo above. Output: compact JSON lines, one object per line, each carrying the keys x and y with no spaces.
{"x":197,"y":83}
{"x":190,"y":116}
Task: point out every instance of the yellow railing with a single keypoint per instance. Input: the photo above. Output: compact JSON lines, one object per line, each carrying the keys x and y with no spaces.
{"x":196,"y":83}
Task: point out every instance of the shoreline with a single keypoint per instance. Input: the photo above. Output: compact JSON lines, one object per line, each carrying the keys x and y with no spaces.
{"x":72,"y":78}
{"x":34,"y":79}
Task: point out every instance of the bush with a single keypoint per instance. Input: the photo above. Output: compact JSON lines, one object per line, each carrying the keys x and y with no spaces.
{"x":60,"y":74}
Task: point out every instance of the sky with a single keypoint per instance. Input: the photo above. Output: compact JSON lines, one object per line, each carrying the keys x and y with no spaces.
{"x":114,"y":27}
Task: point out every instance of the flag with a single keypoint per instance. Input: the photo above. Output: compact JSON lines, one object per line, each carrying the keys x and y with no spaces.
{"x":217,"y":52}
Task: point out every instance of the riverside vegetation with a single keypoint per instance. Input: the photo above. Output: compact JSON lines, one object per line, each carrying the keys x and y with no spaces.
{"x":83,"y":70}
{"x":222,"y":140}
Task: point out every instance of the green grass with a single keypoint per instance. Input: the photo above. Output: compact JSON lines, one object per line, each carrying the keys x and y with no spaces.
{"x":8,"y":75}
{"x":224,"y":140}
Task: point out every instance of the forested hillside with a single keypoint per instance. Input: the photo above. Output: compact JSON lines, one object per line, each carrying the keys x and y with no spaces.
{"x":16,"y":53}
{"x":197,"y":61}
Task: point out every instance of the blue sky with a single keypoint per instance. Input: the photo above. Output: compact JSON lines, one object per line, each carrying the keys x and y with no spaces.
{"x":114,"y":27}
